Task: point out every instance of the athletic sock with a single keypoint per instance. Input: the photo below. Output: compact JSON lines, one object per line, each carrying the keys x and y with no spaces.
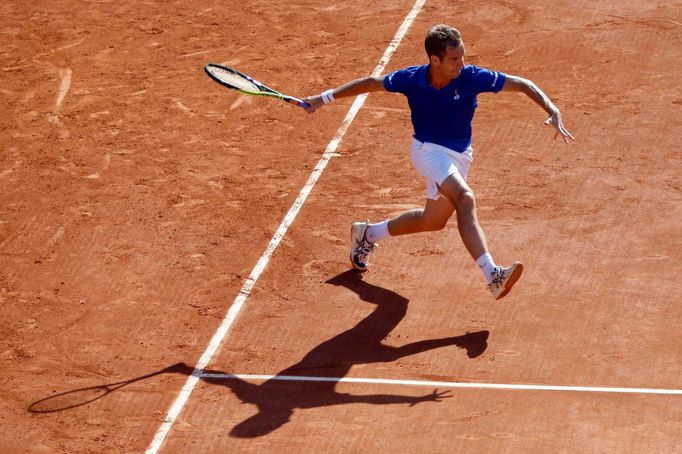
{"x":485,"y":262}
{"x":377,"y":232}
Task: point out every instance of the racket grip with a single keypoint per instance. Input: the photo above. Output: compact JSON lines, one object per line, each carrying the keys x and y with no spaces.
{"x":296,"y":101}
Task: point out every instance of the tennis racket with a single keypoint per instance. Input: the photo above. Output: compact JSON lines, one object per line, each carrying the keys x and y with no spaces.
{"x":231,"y":78}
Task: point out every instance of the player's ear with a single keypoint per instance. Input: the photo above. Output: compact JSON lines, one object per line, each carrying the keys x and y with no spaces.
{"x":434,"y":59}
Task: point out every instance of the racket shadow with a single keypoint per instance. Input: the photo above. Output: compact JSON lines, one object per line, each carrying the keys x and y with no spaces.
{"x":78,"y":397}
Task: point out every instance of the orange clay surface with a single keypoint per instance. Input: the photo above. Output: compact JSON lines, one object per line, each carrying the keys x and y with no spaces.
{"x":136,"y":196}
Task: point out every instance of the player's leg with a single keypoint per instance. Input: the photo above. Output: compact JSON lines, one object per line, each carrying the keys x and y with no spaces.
{"x":500,"y":279}
{"x":460,"y":195}
{"x":365,"y":236}
{"x":434,"y":216}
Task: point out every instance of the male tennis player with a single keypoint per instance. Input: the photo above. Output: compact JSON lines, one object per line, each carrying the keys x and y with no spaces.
{"x":442,"y":99}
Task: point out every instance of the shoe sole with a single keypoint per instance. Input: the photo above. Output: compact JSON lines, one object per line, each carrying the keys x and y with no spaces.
{"x":355,"y":267}
{"x":516,"y":274}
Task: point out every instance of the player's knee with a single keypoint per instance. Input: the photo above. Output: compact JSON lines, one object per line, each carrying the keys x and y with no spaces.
{"x":465,"y":201}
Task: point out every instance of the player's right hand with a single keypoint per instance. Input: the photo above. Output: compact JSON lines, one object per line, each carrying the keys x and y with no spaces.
{"x":315,"y":103}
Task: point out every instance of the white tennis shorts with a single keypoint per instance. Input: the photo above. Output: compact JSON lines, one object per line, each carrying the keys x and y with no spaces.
{"x":436,"y":162}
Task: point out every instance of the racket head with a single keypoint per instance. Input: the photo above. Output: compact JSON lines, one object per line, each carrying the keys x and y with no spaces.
{"x":235,"y":80}
{"x":231,"y":78}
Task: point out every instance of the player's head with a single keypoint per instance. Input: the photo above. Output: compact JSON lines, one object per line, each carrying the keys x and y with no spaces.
{"x":440,"y":39}
{"x":445,"y":49}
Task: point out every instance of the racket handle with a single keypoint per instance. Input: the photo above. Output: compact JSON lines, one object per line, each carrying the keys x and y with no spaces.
{"x":296,"y":101}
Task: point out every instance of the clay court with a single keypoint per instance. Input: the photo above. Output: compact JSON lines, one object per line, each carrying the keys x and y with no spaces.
{"x":174,"y":271}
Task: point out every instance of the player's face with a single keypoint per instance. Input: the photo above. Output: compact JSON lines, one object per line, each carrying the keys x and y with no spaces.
{"x":452,"y":62}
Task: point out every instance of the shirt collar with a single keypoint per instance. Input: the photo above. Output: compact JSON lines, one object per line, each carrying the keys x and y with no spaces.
{"x":423,"y":80}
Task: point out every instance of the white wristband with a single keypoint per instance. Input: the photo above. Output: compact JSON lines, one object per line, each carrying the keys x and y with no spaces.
{"x":327,"y":96}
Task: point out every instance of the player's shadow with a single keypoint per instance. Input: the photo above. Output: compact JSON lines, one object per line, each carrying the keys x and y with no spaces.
{"x":276,"y":400}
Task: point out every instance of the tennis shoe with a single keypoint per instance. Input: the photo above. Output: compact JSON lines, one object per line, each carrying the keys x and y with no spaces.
{"x":360,"y":248}
{"x":504,"y":278}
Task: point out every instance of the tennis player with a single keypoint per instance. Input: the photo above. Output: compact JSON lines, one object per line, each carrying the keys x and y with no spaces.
{"x":442,"y":99}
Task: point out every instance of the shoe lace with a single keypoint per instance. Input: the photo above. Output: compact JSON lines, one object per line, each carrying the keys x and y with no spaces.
{"x":363,"y":249}
{"x":498,"y":277}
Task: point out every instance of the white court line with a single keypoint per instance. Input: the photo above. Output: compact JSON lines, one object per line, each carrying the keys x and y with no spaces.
{"x":448,"y":384}
{"x":245,"y":291}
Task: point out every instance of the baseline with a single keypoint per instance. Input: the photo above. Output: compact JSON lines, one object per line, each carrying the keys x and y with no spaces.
{"x":446,"y":384}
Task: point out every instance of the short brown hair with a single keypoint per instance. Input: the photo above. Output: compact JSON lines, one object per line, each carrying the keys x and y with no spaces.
{"x":440,"y":38}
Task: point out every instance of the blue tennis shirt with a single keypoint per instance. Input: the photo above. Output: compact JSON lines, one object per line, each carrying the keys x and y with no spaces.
{"x":444,"y":116}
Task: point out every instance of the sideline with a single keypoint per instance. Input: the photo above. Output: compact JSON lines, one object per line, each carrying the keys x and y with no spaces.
{"x":248,"y":285}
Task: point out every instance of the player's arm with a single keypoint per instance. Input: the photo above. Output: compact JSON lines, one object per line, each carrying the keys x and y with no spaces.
{"x":519,"y":84}
{"x":350,"y":89}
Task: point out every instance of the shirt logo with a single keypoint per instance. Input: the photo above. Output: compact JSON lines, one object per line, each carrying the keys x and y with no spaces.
{"x":456,"y":97}
{"x":495,"y":80}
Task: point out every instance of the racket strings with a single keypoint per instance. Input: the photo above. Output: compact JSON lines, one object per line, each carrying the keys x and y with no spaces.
{"x":234,"y":80}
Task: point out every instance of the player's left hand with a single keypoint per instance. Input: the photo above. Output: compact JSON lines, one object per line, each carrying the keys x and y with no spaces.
{"x":555,"y":120}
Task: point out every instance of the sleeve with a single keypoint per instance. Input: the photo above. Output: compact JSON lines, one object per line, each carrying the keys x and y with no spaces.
{"x":487,"y":81}
{"x":397,"y":81}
